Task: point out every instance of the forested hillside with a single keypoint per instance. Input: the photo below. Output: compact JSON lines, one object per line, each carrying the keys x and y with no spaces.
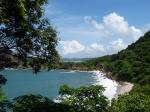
{"x":131,"y":64}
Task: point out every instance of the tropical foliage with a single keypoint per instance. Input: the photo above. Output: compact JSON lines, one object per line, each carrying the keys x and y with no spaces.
{"x":37,"y":103}
{"x":131,"y":64}
{"x":138,"y":100}
{"x":84,"y":99}
{"x":24,"y":31}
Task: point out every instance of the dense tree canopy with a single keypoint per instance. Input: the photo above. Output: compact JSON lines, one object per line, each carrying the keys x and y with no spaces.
{"x":84,"y":99}
{"x":138,"y":100}
{"x":37,"y":103}
{"x":25,"y":32}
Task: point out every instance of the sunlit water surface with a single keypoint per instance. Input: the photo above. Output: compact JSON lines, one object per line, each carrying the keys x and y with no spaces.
{"x":47,"y":83}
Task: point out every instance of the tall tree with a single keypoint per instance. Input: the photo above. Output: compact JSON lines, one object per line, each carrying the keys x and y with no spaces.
{"x":84,"y":99}
{"x":24,"y":31}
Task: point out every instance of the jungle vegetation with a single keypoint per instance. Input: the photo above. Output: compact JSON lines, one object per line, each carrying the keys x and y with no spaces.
{"x":24,"y":32}
{"x":131,"y":64}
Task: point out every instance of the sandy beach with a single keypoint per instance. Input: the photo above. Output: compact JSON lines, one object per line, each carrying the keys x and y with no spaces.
{"x":123,"y":88}
{"x":112,"y":88}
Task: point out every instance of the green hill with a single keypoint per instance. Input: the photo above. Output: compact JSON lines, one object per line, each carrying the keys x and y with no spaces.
{"x":131,"y":64}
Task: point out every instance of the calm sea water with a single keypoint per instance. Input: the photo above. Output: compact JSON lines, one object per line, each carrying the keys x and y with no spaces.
{"x":46,"y":83}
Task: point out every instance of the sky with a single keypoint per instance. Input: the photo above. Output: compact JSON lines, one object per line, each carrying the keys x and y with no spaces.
{"x":94,"y":28}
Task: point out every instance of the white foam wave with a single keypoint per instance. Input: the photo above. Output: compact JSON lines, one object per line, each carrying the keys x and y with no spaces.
{"x":71,"y":71}
{"x":110,"y":85}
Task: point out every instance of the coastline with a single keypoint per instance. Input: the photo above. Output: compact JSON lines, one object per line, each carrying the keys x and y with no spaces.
{"x":123,"y":88}
{"x":112,"y":88}
{"x":120,"y":87}
{"x":110,"y":85}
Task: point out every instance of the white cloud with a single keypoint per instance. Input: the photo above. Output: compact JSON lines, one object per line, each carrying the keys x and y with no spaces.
{"x":114,"y":25}
{"x":74,"y":47}
{"x":136,"y":33}
{"x":71,"y":47}
{"x":113,"y":31}
{"x":117,"y":45}
{"x":97,"y":47}
{"x":89,"y":19}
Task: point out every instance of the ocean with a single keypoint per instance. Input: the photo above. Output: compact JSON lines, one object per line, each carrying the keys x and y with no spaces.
{"x":47,"y":83}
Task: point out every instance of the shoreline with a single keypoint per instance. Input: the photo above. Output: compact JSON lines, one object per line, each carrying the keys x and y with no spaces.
{"x":123,"y":88}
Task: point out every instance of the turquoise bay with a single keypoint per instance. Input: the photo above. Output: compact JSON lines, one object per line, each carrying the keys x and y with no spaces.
{"x":46,"y":83}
